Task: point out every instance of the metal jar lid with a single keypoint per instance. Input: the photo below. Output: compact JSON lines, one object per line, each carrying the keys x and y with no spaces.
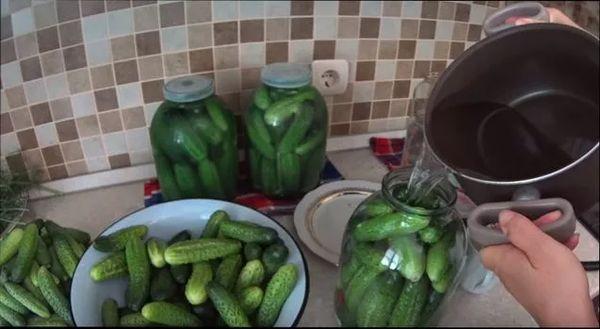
{"x":286,"y":75}
{"x":188,"y":89}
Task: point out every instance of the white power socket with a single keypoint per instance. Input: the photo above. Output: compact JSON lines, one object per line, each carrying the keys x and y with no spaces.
{"x":330,"y":76}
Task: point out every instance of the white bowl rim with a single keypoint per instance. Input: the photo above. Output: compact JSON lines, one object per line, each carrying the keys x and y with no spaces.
{"x":305,"y":263}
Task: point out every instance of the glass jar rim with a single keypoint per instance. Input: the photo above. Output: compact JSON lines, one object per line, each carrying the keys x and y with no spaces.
{"x":188,"y":89}
{"x":286,"y":75}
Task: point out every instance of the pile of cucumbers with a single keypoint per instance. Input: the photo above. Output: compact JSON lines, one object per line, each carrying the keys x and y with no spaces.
{"x":195,"y":149}
{"x":287,"y":130}
{"x":396,"y":267}
{"x":37,"y":263}
{"x":235,"y":274}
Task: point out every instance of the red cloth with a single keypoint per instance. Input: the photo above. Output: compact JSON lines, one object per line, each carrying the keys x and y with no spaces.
{"x":388,"y":150}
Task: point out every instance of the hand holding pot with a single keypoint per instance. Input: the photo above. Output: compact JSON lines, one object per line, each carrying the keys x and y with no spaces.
{"x":542,"y":274}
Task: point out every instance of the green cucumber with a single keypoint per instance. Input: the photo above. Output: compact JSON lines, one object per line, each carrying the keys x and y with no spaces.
{"x":311,"y":142}
{"x":138,"y":267}
{"x":388,"y":225}
{"x":227,"y":166}
{"x":9,"y":246}
{"x":81,"y":236}
{"x":197,"y":250}
{"x":252,"y":274}
{"x":217,"y":113}
{"x":227,"y":305}
{"x":358,"y":286}
{"x":408,"y":307}
{"x":53,"y":295}
{"x":66,"y":256}
{"x":378,"y":301}
{"x":110,"y":313}
{"x":269,"y":177}
{"x":250,"y":299}
{"x":26,"y":255}
{"x":259,"y":134}
{"x":110,"y":267}
{"x":170,"y":315}
{"x":166,"y":177}
{"x":371,"y":256}
{"x":311,"y":171}
{"x":162,"y":286}
{"x":252,"y":251}
{"x":261,"y":98}
{"x":205,"y":129}
{"x":187,"y":180}
{"x":180,"y":273}
{"x":248,"y":232}
{"x":53,"y":321}
{"x":412,"y":256}
{"x":255,"y":167}
{"x":156,"y":252}
{"x":278,"y":290}
{"x":42,"y":255}
{"x":228,"y":271}
{"x":27,"y":299}
{"x":32,"y":288}
{"x":116,"y":241}
{"x":195,"y":288}
{"x":431,"y":234}
{"x":15,"y":319}
{"x":348,"y":270}
{"x":444,"y":281}
{"x":297,"y":130}
{"x":187,"y":139}
{"x":211,"y":181}
{"x":135,"y":320}
{"x":433,"y":301}
{"x":438,"y":256}
{"x":377,"y":207}
{"x":78,"y":248}
{"x":214,"y":223}
{"x":289,"y":171}
{"x":9,"y":301}
{"x":283,"y":109}
{"x":274,"y":257}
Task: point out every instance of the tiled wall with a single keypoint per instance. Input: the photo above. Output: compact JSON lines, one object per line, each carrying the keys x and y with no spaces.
{"x":80,"y":80}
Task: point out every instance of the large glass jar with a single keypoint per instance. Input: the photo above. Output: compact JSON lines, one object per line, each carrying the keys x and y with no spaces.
{"x":401,"y":256}
{"x":194,"y":142}
{"x":286,"y":126}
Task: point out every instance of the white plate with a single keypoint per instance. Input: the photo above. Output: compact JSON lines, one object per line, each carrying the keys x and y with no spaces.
{"x":164,"y":221}
{"x":321,"y":216}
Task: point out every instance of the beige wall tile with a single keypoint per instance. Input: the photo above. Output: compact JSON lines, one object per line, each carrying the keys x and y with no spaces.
{"x":150,"y":67}
{"x":176,"y":64}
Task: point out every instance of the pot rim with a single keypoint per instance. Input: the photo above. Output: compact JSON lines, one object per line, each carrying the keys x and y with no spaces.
{"x":494,"y":38}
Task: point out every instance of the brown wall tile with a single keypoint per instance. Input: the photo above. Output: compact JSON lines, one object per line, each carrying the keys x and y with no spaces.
{"x":421,"y":69}
{"x":276,"y":52}
{"x":200,"y":36}
{"x":33,"y":159}
{"x":6,"y":27}
{"x":77,"y":168}
{"x":26,"y":45}
{"x":150,"y":67}
{"x":58,"y":172}
{"x":438,"y":66}
{"x":79,"y":81}
{"x":367,"y":49}
{"x":380,"y":110}
{"x":252,"y":30}
{"x":106,"y":99}
{"x":72,"y":151}
{"x":92,"y":7}
{"x":21,"y":118}
{"x":427,"y":29}
{"x":341,"y":113}
{"x":126,"y":72}
{"x":145,"y":18}
{"x":401,"y":88}
{"x":15,"y":97}
{"x":302,"y":8}
{"x":110,"y":121}
{"x":47,"y":39}
{"x":456,"y":48}
{"x":61,"y":109}
{"x":324,"y":49}
{"x":383,"y":90}
{"x":398,"y":107}
{"x":225,"y":33}
{"x":278,"y":29}
{"x":474,"y":33}
{"x":123,"y":48}
{"x":302,"y":28}
{"x":361,"y":111}
{"x":404,"y":69}
{"x":227,"y":57}
{"x":67,"y":10}
{"x":339,"y":129}
{"x":460,"y":31}
{"x":360,"y":127}
{"x":387,"y":49}
{"x":463,"y":12}
{"x":102,"y":76}
{"x":201,"y":60}
{"x":440,"y":50}
{"x":429,"y":9}
{"x":349,"y":8}
{"x":348,"y":27}
{"x":133,"y":117}
{"x":369,"y":27}
{"x":409,"y":29}
{"x":365,"y":71}
{"x":117,"y":4}
{"x":15,"y":163}
{"x":153,"y":91}
{"x":392,"y":8}
{"x":70,"y":33}
{"x":74,"y":57}
{"x":67,"y":131}
{"x":119,"y":161}
{"x":40,"y":113}
{"x":177,"y":64}
{"x":198,"y":11}
{"x":88,"y":126}
{"x":31,"y":68}
{"x":52,"y":62}
{"x":7,"y":51}
{"x":6,"y":125}
{"x":172,"y":14}
{"x":406,"y":49}
{"x":52,"y":155}
{"x":250,"y":78}
{"x":147,"y":43}
{"x":446,"y":10}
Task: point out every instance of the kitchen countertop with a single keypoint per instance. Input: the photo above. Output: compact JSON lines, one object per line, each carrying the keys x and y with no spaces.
{"x":93,"y":210}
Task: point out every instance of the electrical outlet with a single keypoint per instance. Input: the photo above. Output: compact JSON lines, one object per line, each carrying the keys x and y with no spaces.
{"x":330,"y":76}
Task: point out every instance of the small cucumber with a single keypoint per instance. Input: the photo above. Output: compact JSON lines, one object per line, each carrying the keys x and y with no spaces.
{"x":27,"y":299}
{"x":252,"y":251}
{"x":42,"y":255}
{"x":13,"y":318}
{"x":298,"y":128}
{"x":28,"y":284}
{"x":259,"y":134}
{"x":274,"y":257}
{"x":250,"y":299}
{"x":438,"y":256}
{"x":195,"y":288}
{"x":166,"y":177}
{"x":116,"y":241}
{"x":388,"y":225}
{"x":213,"y":224}
{"x":9,"y":246}
{"x":228,"y":271}
{"x":252,"y":274}
{"x":66,"y":256}
{"x":211,"y":182}
{"x":78,"y":248}
{"x":377,"y":304}
{"x":348,"y":270}
{"x":110,"y":313}
{"x":377,"y":207}
{"x":412,"y":256}
{"x":248,"y":232}
{"x":269,"y":177}
{"x":311,"y":142}
{"x":283,"y":109}
{"x":289,"y":172}
{"x":162,"y":286}
{"x":358,"y":286}
{"x":170,"y":315}
{"x":197,"y":250}
{"x":180,"y":273}
{"x":53,"y":321}
{"x":156,"y":252}
{"x":26,"y":254}
{"x":110,"y":267}
{"x":371,"y":256}
{"x":255,"y":160}
{"x":444,"y":282}
{"x":217,"y":113}
{"x":138,"y":267}
{"x":261,"y":98}
{"x":9,"y":301}
{"x":408,"y":307}
{"x":53,"y":295}
{"x":431,"y":234}
{"x":81,"y":236}
{"x":135,"y":320}
{"x":278,"y":290}
{"x":227,"y":305}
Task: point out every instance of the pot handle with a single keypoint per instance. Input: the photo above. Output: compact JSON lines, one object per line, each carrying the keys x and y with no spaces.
{"x":497,"y":21}
{"x":481,"y":235}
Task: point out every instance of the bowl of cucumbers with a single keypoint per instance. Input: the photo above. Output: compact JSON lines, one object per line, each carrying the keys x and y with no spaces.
{"x":194,"y":262}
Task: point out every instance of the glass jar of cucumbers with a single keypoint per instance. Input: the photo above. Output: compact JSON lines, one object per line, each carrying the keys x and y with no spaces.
{"x":194,"y":142}
{"x":402,"y":255}
{"x":286,"y":126}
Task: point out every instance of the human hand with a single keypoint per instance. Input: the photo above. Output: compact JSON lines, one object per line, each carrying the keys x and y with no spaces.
{"x":555,"y":15}
{"x":541,"y":273}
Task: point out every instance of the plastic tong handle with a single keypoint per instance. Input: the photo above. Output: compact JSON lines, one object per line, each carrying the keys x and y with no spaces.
{"x":497,"y":21}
